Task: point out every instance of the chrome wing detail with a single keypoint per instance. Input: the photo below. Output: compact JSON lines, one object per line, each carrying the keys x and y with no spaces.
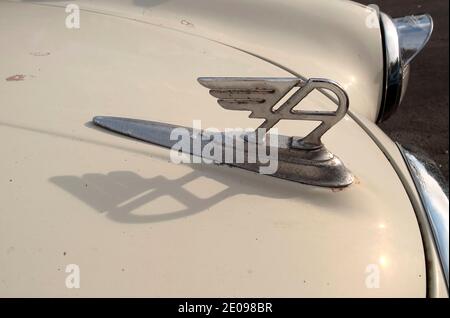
{"x":260,"y":95}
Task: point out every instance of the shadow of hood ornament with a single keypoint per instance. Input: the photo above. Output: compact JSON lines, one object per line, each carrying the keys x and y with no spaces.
{"x":300,"y":159}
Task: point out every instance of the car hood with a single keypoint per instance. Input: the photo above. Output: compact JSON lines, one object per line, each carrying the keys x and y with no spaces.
{"x":137,"y":224}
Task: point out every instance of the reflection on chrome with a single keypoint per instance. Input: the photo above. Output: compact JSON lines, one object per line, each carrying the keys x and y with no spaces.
{"x":403,"y":39}
{"x":413,"y":34}
{"x":434,"y":196}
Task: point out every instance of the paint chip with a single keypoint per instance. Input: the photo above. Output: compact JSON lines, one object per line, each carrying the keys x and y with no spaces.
{"x":16,"y":78}
{"x":186,"y":23}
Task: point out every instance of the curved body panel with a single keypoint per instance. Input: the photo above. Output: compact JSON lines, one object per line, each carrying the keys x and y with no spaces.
{"x":339,"y":39}
{"x":139,"y":225}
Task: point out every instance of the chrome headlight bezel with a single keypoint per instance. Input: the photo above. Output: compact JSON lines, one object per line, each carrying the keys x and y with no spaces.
{"x":403,"y":38}
{"x":433,"y":193}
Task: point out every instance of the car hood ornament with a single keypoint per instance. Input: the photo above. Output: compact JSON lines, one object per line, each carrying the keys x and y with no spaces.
{"x":300,"y":159}
{"x":260,"y":95}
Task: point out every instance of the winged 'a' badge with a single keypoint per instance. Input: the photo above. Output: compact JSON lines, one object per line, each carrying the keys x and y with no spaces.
{"x":260,"y":95}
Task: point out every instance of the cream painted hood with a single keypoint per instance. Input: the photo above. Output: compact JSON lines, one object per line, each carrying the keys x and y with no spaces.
{"x":137,"y":224}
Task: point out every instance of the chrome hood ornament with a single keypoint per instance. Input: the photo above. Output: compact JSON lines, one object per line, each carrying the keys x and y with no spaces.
{"x":260,"y":95}
{"x":304,"y":160}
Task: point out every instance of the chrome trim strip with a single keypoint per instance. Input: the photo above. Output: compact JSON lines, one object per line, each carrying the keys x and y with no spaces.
{"x":393,"y":70}
{"x":434,"y":196}
{"x":403,"y":38}
{"x":316,"y":167}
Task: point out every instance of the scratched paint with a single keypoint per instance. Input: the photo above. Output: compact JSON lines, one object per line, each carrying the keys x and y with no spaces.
{"x":16,"y":78}
{"x":187,"y":23}
{"x":40,"y":53}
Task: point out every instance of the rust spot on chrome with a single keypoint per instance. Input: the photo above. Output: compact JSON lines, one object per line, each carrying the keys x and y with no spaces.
{"x":356,"y":182}
{"x":16,"y":78}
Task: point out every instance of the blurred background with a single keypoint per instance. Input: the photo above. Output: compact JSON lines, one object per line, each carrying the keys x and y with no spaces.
{"x":422,"y":118}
